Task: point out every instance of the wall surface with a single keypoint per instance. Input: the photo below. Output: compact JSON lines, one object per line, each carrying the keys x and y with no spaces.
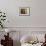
{"x":37,"y":19}
{"x":24,"y":24}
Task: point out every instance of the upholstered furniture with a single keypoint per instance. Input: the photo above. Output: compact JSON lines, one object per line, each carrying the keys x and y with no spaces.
{"x":32,"y":40}
{"x":8,"y":41}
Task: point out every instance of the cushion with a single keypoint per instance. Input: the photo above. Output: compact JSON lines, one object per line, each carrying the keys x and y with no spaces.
{"x":26,"y":39}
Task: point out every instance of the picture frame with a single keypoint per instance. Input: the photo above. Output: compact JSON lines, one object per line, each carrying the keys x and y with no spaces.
{"x":24,"y":11}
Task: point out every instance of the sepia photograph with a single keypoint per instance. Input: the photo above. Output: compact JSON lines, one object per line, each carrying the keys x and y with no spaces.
{"x":24,"y":11}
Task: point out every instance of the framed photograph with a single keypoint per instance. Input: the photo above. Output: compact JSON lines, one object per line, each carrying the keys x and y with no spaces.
{"x":24,"y":11}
